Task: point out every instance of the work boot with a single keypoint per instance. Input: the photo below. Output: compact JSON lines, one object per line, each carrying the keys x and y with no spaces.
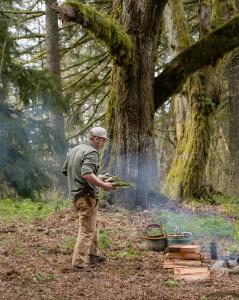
{"x":82,"y":268}
{"x":96,"y":259}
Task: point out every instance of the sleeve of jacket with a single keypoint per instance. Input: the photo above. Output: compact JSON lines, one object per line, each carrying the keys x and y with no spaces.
{"x":65,"y":166}
{"x":90,"y":163}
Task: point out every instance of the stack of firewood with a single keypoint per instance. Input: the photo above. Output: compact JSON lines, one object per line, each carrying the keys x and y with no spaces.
{"x":186,"y":262}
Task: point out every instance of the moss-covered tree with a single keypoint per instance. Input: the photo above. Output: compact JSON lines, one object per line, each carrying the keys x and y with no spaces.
{"x":187,"y":174}
{"x":132,"y":34}
{"x":233,"y":77}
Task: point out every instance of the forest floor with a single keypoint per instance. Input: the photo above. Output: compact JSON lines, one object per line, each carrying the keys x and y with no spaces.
{"x":35,"y":262}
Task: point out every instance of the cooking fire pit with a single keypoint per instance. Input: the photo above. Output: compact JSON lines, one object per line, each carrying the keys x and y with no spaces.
{"x":155,"y":240}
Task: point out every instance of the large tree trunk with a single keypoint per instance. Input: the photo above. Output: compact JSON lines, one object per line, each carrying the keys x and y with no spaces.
{"x":234,"y":122}
{"x":133,"y":151}
{"x":178,"y":40}
{"x":229,"y":169}
{"x":186,"y":173}
{"x":4,"y":57}
{"x":53,"y":64}
{"x":187,"y":170}
{"x":186,"y":178}
{"x":233,"y":140}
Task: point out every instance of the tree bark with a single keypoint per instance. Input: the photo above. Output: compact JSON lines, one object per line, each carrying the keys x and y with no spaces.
{"x":53,"y":64}
{"x":133,"y":149}
{"x":233,"y":84}
{"x":4,"y":59}
{"x":187,"y":170}
{"x":178,"y":40}
{"x":220,"y":170}
{"x":186,"y":178}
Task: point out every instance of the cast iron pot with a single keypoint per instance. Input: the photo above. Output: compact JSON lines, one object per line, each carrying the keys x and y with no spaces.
{"x":153,"y":242}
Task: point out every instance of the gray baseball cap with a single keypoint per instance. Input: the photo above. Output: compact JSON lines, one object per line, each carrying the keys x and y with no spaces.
{"x":99,"y":132}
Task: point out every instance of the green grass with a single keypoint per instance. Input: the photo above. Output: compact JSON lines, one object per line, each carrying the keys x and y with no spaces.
{"x":233,"y":248}
{"x":200,"y":226}
{"x":43,"y":277}
{"x":171,"y":283}
{"x":230,"y":205}
{"x":130,"y":254}
{"x":204,"y":298}
{"x":68,"y":243}
{"x":105,"y":241}
{"x":127,"y":252}
{"x":28,"y":210}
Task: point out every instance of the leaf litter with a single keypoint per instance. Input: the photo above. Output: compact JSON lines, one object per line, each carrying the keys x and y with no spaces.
{"x":36,"y":263}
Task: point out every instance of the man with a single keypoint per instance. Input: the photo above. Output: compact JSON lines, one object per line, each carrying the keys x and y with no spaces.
{"x":81,"y":168}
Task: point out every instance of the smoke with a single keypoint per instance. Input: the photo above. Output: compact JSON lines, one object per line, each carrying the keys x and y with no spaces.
{"x":205,"y":226}
{"x":24,"y":163}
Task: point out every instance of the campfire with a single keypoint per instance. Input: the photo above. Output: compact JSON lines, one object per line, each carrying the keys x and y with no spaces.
{"x":184,"y":256}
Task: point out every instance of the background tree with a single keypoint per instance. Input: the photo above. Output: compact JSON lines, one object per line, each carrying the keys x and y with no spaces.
{"x":22,"y":170}
{"x":133,"y":45}
{"x":56,"y":103}
{"x":186,"y":178}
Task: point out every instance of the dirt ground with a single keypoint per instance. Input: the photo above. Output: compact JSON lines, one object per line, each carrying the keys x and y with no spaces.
{"x":35,"y":263}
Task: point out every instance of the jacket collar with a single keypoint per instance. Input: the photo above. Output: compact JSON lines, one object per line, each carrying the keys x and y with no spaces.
{"x":90,"y":144}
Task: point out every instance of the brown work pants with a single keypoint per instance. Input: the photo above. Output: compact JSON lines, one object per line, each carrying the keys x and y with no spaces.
{"x":88,"y":238}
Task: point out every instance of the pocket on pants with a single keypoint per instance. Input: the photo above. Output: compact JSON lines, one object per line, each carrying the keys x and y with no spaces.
{"x":82,"y":204}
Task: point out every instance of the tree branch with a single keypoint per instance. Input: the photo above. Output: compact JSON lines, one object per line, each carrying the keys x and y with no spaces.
{"x":103,"y":27}
{"x":203,"y":53}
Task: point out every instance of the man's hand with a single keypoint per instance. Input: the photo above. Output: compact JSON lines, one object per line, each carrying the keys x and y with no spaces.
{"x":93,"y":179}
{"x":108,"y":186}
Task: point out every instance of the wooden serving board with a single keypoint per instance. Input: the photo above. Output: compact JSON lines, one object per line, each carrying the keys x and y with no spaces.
{"x":183,"y":255}
{"x":191,"y":274}
{"x":184,"y":248}
{"x":174,"y":263}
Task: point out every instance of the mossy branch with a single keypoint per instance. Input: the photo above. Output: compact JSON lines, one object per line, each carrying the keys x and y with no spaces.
{"x":29,"y":36}
{"x":84,"y":61}
{"x":103,"y":27}
{"x":203,"y":53}
{"x":22,"y":12}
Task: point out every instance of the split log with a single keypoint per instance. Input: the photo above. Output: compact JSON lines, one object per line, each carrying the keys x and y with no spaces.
{"x":183,"y":255}
{"x":174,"y":263}
{"x":190,"y":270}
{"x":194,"y":277}
{"x":191,"y":274}
{"x":184,"y":248}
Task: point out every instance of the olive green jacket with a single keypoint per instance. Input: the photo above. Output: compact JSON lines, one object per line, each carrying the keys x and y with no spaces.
{"x":82,"y":159}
